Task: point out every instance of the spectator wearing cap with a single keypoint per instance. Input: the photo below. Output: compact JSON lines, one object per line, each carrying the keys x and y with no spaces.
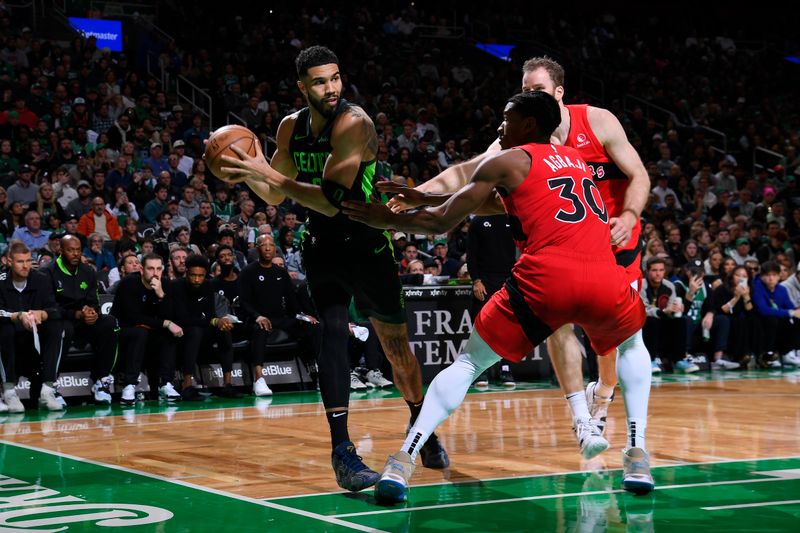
{"x":156,"y":160}
{"x":23,"y":191}
{"x":182,"y":122}
{"x":173,"y":208}
{"x":185,"y":163}
{"x":37,"y":100}
{"x":83,"y":203}
{"x":32,"y":233}
{"x":79,"y":117}
{"x":71,"y":228}
{"x":99,"y":220}
{"x":53,"y":247}
{"x":449,"y":265}
{"x":157,"y":205}
{"x":742,"y":251}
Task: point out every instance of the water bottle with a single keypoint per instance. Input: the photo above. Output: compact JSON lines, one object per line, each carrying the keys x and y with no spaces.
{"x":706,"y":334}
{"x":673,"y":300}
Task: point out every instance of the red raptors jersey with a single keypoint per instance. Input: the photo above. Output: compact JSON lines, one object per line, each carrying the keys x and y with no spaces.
{"x":611,"y":181}
{"x":558,"y":205}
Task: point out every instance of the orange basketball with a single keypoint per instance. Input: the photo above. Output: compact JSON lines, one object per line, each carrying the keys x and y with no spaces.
{"x":220,"y":142}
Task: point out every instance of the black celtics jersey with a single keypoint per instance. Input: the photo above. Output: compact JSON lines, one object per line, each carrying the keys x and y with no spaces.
{"x":309,"y":155}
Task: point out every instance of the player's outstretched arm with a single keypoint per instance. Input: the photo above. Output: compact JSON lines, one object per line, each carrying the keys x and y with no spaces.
{"x":494,"y":171}
{"x":447,"y":182}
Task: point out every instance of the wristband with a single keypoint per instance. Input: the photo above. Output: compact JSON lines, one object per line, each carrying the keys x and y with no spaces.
{"x":214,"y":322}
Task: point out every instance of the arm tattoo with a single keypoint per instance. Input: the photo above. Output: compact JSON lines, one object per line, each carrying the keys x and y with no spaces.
{"x":368,"y":128}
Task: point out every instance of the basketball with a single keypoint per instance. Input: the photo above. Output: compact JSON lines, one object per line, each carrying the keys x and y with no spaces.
{"x":220,"y":143}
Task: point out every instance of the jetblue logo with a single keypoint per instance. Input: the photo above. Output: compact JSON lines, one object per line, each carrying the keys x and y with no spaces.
{"x":277,"y":370}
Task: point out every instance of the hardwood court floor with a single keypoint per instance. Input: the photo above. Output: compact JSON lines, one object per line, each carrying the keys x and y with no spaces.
{"x":710,"y":439}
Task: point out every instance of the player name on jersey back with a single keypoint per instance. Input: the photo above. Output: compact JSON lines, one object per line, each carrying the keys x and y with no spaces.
{"x":557,"y":162}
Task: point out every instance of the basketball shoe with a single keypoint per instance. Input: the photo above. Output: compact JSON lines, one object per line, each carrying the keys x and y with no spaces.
{"x":636,"y":475}
{"x":392,"y":487}
{"x":351,"y":473}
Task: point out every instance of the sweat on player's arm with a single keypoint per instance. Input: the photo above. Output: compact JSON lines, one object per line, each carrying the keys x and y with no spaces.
{"x":499,"y":170}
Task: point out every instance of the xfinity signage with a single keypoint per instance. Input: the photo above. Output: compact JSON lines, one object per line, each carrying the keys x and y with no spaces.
{"x":107,"y":32}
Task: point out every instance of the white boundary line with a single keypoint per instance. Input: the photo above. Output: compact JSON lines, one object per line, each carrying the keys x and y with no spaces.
{"x":505,"y":478}
{"x":276,"y":506}
{"x":746,"y":505}
{"x":555,"y":496}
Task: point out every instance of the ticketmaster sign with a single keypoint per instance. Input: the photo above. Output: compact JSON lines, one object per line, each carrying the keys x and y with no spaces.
{"x":107,"y":32}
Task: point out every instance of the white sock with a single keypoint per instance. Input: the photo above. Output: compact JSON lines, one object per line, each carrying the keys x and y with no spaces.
{"x":577,"y":402}
{"x":633,"y":370}
{"x":447,"y":391}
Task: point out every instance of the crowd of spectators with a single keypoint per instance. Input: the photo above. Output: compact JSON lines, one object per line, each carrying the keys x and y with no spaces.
{"x":91,"y":146}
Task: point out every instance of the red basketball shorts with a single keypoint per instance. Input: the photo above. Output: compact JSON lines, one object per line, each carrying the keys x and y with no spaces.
{"x":555,"y":287}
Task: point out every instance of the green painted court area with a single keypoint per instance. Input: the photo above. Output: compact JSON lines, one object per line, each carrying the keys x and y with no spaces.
{"x":45,"y":491}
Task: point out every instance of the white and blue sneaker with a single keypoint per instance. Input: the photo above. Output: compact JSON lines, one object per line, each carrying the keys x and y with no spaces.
{"x":686,"y":366}
{"x":655,"y":366}
{"x":636,"y":476}
{"x":392,"y":487}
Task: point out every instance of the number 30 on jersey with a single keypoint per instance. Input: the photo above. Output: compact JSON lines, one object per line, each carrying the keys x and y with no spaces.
{"x":588,"y":195}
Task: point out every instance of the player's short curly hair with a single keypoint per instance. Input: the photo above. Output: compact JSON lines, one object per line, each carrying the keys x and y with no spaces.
{"x":197,"y":261}
{"x":541,"y":106}
{"x":314,"y":56}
